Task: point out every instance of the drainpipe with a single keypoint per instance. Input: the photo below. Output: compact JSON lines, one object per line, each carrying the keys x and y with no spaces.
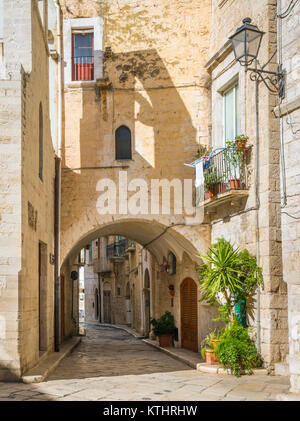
{"x":57,"y":190}
{"x":258,"y":334}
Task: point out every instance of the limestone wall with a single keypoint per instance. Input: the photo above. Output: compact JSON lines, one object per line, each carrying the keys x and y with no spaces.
{"x":237,"y":221}
{"x":290,"y":187}
{"x":27,"y":208}
{"x":153,"y":88}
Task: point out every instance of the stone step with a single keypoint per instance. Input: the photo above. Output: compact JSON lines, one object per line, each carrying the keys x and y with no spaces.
{"x":281,"y":369}
{"x":47,"y":364}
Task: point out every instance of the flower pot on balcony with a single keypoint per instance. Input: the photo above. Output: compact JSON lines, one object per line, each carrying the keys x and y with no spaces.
{"x":220,"y":188}
{"x":241,"y":144}
{"x":211,"y":357}
{"x":165,"y":340}
{"x":208,"y":194}
{"x":234,"y":184}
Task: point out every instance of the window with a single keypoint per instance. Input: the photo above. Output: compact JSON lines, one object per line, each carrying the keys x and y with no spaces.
{"x":231,"y":114}
{"x":83,"y":55}
{"x":123,"y":143}
{"x":41,"y":141}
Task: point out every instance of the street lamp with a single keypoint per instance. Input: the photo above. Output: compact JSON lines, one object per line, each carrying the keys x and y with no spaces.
{"x":246,"y":42}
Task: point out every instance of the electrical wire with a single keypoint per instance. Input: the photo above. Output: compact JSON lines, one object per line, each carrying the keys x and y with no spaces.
{"x":288,"y":10}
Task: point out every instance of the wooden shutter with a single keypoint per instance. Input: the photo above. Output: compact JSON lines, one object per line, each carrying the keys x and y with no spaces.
{"x":189,"y":315}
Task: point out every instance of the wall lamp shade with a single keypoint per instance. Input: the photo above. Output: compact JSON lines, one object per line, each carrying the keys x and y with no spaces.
{"x":246,"y":42}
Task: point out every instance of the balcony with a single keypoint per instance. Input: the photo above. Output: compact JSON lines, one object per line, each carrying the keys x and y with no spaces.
{"x":225,"y":179}
{"x":82,"y":68}
{"x":118,"y":250}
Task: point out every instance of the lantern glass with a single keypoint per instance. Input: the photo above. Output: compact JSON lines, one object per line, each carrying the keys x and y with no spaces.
{"x":246,"y":42}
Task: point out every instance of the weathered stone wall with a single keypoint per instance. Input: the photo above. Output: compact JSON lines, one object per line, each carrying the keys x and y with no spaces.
{"x":237,"y":221}
{"x":156,"y":90}
{"x":290,"y":188}
{"x":27,"y":208}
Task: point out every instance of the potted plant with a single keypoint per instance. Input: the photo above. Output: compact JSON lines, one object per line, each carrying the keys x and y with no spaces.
{"x":208,"y":346}
{"x":234,"y":158}
{"x":211,"y":182}
{"x":241,"y":142}
{"x":227,"y":277}
{"x":203,"y":151}
{"x":164,"y":328}
{"x":236,"y":351}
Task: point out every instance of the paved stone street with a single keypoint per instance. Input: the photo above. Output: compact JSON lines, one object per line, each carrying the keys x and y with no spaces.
{"x":109,"y":364}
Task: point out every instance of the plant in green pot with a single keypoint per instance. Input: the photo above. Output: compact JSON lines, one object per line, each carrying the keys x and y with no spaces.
{"x":164,"y":328}
{"x":227,"y":277}
{"x":236,"y":351}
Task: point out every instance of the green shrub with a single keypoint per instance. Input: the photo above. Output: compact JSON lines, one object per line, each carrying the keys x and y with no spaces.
{"x":164,"y":325}
{"x":237,"y":351}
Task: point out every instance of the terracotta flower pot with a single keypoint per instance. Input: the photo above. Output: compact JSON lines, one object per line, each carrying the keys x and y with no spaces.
{"x":241,"y":145}
{"x":165,"y":340}
{"x":234,"y":184}
{"x":208,"y":194}
{"x":220,"y":188}
{"x":211,"y":357}
{"x":215,"y":342}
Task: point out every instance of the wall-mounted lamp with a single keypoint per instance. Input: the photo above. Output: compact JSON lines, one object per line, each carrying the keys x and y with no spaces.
{"x":246,"y":42}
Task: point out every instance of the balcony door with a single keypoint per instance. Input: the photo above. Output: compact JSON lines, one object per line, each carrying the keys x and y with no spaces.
{"x":82,"y":55}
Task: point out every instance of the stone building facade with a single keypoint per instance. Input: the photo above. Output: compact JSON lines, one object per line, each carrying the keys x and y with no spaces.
{"x":161,"y":76}
{"x":140,"y":82}
{"x":289,"y":111}
{"x":27,"y":152}
{"x":251,"y":217}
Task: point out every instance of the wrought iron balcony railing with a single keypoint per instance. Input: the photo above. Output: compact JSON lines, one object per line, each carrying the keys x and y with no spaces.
{"x":118,"y":248}
{"x":83,"y":68}
{"x":225,"y":171}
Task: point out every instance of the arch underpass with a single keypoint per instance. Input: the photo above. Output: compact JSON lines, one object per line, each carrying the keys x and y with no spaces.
{"x":161,"y":241}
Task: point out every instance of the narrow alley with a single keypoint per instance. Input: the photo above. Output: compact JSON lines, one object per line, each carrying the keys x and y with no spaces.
{"x":111,"y":365}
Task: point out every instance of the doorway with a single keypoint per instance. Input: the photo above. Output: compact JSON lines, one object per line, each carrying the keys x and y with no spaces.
{"x":107,"y":304}
{"x":147,"y":304}
{"x":189,"y":315}
{"x":43,"y":307}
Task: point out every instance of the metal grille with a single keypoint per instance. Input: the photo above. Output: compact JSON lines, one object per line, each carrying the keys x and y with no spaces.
{"x":118,"y":248}
{"x":83,"y":68}
{"x":226,"y":171}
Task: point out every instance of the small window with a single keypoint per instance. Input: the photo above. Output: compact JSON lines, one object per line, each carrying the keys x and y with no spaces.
{"x":231,"y":114}
{"x":123,"y":143}
{"x":41,"y":141}
{"x":83,"y":56}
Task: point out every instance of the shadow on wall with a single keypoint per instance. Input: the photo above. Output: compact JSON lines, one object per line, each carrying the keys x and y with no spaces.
{"x":141,"y":96}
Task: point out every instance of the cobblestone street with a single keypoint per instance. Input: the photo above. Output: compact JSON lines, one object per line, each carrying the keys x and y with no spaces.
{"x":110,"y":364}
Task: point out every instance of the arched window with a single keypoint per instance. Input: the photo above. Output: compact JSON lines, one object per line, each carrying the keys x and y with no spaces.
{"x":123,"y":143}
{"x":41,"y":141}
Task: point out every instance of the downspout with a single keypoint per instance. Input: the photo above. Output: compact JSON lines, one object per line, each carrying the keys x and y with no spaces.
{"x":257,"y":205}
{"x":57,"y":191}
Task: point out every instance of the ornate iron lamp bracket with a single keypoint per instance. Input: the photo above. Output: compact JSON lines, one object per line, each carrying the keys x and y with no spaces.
{"x":274,"y":81}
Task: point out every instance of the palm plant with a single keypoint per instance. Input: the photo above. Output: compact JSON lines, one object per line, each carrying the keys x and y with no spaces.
{"x":228,"y":276}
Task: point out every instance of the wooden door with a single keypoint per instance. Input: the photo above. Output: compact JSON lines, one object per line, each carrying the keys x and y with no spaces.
{"x":62,"y":308}
{"x":106,"y":307}
{"x":189,"y":315}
